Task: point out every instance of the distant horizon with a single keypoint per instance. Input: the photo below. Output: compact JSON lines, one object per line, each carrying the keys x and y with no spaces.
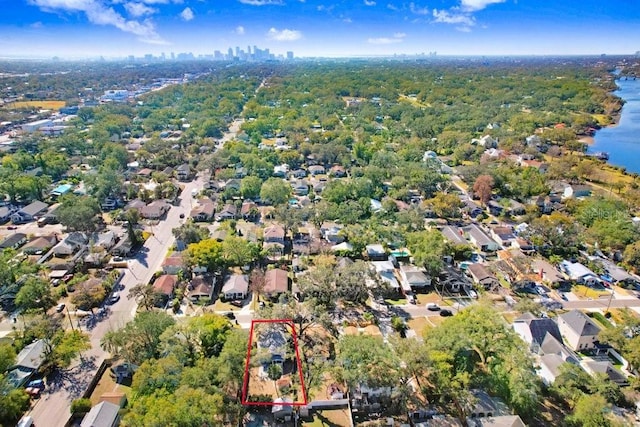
{"x":280,"y":57}
{"x":331,"y":29}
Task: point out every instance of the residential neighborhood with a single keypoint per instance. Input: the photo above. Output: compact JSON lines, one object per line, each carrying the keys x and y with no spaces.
{"x":324,"y":269}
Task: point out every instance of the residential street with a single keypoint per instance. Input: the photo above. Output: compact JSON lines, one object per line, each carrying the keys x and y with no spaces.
{"x":52,"y":409}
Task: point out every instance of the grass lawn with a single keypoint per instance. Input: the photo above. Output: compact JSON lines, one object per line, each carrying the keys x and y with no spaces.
{"x":225,"y":306}
{"x":108,"y":385}
{"x":583,"y":292}
{"x":47,"y":105}
{"x":428,"y":298}
{"x":330,"y":418}
{"x":510,"y":317}
{"x":419,"y":325}
{"x":400,"y":301}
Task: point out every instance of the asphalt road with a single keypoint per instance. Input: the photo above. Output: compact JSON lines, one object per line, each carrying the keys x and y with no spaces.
{"x":52,"y":409}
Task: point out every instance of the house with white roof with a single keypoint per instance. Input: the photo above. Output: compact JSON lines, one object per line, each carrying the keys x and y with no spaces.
{"x":579,"y":273}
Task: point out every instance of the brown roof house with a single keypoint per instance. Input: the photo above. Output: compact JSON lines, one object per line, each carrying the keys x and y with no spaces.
{"x":276,"y":282}
{"x":482,"y":276}
{"x":155,"y":210}
{"x":163,"y":287}
{"x":273,"y":238}
{"x":173,"y":264}
{"x":40,"y":245}
{"x":200,"y":287}
{"x":204,"y":211}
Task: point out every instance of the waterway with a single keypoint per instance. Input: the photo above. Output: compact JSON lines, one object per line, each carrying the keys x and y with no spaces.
{"x":622,"y":141}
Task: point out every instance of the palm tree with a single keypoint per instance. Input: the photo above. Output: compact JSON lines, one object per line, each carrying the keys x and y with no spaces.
{"x":144,"y":294}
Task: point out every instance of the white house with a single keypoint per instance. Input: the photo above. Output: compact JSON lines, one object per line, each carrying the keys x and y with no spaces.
{"x":236,"y":287}
{"x":579,"y":273}
{"x":578,"y":330}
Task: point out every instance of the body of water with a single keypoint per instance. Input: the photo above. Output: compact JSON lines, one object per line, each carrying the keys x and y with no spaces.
{"x":622,"y":142}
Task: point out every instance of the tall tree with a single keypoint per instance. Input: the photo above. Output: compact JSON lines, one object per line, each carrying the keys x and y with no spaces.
{"x":275,"y":191}
{"x":483,"y":187}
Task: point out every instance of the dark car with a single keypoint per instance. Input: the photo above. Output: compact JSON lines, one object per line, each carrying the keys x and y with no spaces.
{"x":230,"y":315}
{"x":181,"y":216}
{"x":446,"y":313}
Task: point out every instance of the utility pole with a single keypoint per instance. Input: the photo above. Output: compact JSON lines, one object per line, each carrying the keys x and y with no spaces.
{"x":70,"y":320}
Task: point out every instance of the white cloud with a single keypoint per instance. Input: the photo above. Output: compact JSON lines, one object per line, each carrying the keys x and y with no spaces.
{"x":284,"y":35}
{"x":417,"y":10}
{"x":397,"y":38}
{"x":138,"y":9}
{"x":347,"y":20}
{"x":262,"y":2}
{"x":392,"y":7}
{"x":187,"y":14}
{"x":239,"y":30}
{"x":446,"y":17}
{"x":475,"y":5}
{"x":37,"y":25}
{"x":99,"y":13}
{"x":369,"y":3}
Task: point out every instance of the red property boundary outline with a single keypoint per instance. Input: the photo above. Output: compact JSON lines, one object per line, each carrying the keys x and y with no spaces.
{"x":245,"y":382}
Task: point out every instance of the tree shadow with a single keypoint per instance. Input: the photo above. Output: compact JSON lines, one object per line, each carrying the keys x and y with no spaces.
{"x":75,"y":380}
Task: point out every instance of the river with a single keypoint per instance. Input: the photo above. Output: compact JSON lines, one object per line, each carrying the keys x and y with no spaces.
{"x":622,"y":141}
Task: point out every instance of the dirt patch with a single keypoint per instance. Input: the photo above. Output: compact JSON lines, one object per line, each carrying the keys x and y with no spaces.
{"x":45,"y":105}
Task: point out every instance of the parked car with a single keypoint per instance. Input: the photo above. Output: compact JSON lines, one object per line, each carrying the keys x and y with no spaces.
{"x":411,"y":298}
{"x":433,"y":307}
{"x":446,"y":313}
{"x":60,"y":307}
{"x":115,"y":297}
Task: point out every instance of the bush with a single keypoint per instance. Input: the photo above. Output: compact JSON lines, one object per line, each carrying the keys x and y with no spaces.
{"x":80,"y":406}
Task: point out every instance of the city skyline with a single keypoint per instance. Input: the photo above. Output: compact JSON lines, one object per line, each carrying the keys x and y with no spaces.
{"x":120,"y":28}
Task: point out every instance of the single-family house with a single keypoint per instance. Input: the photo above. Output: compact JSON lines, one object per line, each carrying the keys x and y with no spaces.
{"x":106,"y":240}
{"x":203,"y":211}
{"x":71,"y":244}
{"x":575,"y":191}
{"x":337,"y":171}
{"x":480,"y":239}
{"x":104,"y":414}
{"x":28,"y":361}
{"x":40,"y":245}
{"x":454,"y":235}
{"x":413,"y":278}
{"x":483,"y":277}
{"x":274,"y":234}
{"x":13,"y":241}
{"x":605,"y":367}
{"x":29,"y":212}
{"x":332,"y":233}
{"x":299,"y":174}
{"x":183,"y":172}
{"x":136,"y":204}
{"x":228,"y":212}
{"x":533,"y":330}
{"x":546,"y":272}
{"x":123,"y":247}
{"x":155,"y":210}
{"x":145,"y":172}
{"x":385,"y":272}
{"x":579,"y":273}
{"x":578,"y":330}
{"x":249,"y":211}
{"x":5,"y":213}
{"x":300,"y":188}
{"x":315,"y":170}
{"x":163,"y":287}
{"x":276,"y":282}
{"x":236,"y":287}
{"x":486,"y":141}
{"x":503,"y":235}
{"x":173,"y":264}
{"x":376,"y":252}
{"x":200,"y":287}
{"x":233,"y":184}
{"x":280,"y":171}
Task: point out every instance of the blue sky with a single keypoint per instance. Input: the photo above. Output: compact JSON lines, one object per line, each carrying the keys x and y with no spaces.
{"x":76,"y":28}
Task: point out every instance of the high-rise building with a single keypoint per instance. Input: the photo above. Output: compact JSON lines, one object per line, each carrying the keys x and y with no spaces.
{"x":230,"y":54}
{"x":289,"y":55}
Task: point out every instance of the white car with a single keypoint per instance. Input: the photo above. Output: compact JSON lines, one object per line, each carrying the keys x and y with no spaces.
{"x":115,"y":297}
